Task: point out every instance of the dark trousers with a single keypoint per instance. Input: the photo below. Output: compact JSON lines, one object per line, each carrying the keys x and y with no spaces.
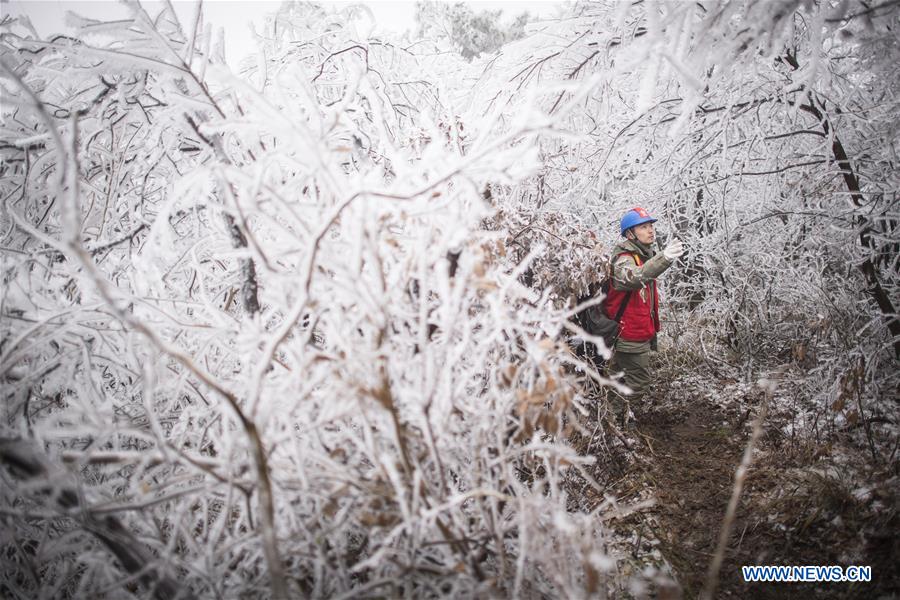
{"x":636,"y":369}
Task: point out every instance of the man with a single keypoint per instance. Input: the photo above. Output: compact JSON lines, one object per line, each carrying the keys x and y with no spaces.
{"x":635,"y":267}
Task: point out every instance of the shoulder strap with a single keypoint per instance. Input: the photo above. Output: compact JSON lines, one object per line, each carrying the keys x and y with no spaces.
{"x":622,"y":306}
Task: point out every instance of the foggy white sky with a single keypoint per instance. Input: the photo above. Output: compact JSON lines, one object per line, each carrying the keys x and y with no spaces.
{"x":237,"y":16}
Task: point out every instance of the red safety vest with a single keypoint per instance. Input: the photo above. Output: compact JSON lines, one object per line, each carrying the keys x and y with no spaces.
{"x":640,"y":321}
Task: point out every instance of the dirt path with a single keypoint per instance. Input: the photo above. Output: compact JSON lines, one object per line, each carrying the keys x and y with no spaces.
{"x":686,"y":456}
{"x":689,"y":459}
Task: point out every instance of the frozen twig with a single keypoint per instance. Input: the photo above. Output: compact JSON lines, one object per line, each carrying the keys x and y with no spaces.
{"x":740,"y":475}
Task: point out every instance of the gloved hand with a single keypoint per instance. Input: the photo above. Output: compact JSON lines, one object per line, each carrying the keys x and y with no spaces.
{"x":674,"y":250}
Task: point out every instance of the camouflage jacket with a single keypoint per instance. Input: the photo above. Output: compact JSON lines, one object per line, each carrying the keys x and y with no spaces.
{"x":626,"y":275}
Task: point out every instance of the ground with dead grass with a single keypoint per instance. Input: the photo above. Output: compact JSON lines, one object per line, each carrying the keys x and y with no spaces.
{"x":810,"y":498}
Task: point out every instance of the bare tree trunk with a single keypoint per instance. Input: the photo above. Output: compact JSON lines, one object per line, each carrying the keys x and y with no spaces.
{"x":851,"y":179}
{"x":249,"y":287}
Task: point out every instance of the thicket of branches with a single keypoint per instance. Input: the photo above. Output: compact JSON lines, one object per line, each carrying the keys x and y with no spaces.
{"x":302,"y":330}
{"x":767,"y":141}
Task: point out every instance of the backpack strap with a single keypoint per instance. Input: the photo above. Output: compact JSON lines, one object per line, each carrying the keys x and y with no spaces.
{"x":622,"y":306}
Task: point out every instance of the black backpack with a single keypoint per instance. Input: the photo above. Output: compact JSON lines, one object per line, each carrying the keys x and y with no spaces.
{"x":594,"y":321}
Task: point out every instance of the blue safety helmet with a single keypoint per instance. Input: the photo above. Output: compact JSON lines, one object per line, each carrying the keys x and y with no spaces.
{"x":633,"y":218}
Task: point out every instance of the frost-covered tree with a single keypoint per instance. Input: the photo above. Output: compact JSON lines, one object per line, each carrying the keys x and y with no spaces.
{"x":301,"y":330}
{"x":765,"y":138}
{"x":255,"y":339}
{"x":467,"y":31}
